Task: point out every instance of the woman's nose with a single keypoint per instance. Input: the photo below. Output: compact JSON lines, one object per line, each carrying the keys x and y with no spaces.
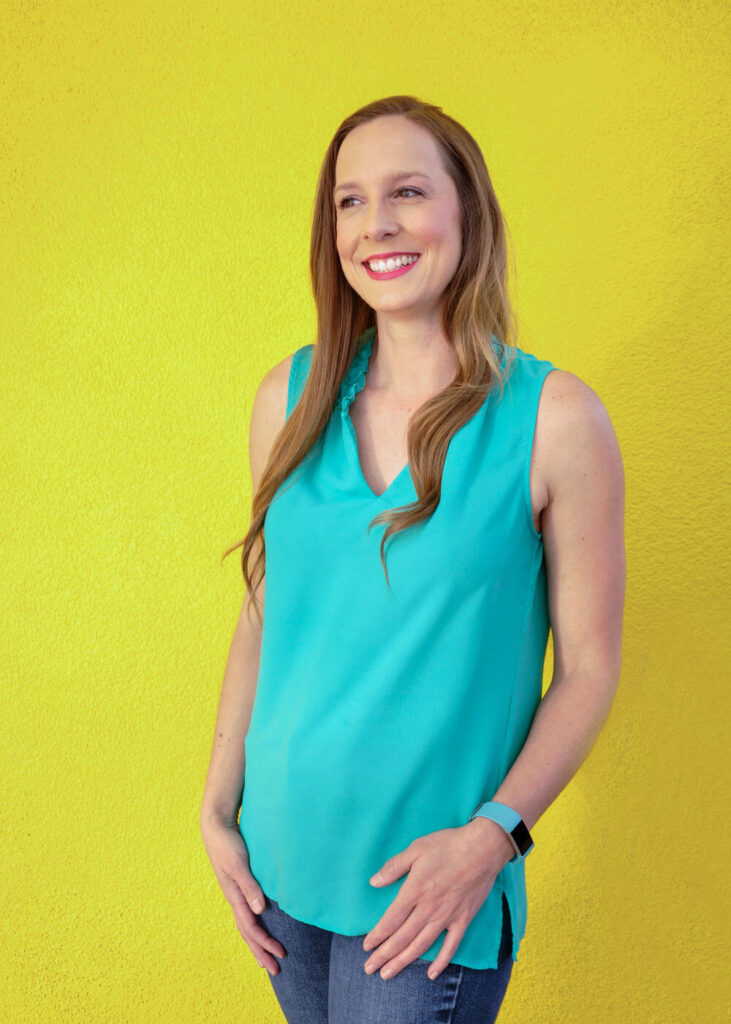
{"x":377,"y":221}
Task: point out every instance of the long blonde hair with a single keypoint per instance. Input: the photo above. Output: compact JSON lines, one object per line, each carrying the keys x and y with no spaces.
{"x":475,"y":307}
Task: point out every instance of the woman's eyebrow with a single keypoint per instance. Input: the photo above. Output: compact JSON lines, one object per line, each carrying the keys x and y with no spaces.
{"x":391,"y":178}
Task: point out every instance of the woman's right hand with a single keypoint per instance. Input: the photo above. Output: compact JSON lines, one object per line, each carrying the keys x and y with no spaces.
{"x":229,"y":857}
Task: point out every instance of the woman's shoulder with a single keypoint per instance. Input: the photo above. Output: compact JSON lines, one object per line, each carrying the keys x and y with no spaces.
{"x":563,"y":390}
{"x":268,"y":415}
{"x":571,"y":403}
{"x":271,"y":406}
{"x":272,"y":390}
{"x":275,"y":384}
{"x":573,"y":429}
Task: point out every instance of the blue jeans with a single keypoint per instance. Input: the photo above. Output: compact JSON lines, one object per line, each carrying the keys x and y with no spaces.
{"x":322,"y":980}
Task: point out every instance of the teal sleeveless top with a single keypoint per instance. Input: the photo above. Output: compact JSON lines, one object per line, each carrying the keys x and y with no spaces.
{"x":381,"y":716}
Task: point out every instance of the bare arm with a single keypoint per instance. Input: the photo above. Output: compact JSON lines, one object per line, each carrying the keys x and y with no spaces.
{"x":583,"y":537}
{"x":224,"y":783}
{"x":451,"y":871}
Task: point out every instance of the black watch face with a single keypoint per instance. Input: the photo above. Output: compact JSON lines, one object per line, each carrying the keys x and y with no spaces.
{"x":522,"y":838}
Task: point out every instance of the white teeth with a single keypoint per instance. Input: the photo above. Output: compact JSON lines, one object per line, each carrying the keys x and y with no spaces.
{"x":384,"y":266}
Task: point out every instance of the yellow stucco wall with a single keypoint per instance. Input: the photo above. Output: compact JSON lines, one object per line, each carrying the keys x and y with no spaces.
{"x":158,"y":166}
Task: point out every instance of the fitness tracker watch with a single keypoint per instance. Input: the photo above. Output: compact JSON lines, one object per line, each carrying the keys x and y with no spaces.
{"x":511,"y":823}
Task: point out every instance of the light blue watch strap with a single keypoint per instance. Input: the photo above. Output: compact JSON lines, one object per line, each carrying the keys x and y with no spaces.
{"x":511,"y":822}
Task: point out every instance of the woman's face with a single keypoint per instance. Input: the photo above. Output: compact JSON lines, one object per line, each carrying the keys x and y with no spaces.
{"x":380,"y":212}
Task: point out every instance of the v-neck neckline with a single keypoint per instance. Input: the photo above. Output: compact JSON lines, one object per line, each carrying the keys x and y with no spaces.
{"x":353,"y":383}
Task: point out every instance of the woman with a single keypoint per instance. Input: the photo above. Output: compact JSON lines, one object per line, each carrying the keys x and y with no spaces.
{"x":435,"y":499}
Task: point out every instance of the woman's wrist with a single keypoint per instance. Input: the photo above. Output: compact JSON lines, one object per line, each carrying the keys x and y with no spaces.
{"x":492,"y":837}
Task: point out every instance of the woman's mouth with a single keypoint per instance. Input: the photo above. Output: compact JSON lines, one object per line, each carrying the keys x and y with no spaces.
{"x":384,"y":270}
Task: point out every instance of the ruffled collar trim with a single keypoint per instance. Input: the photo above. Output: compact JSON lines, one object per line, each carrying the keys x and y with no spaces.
{"x":354,"y":379}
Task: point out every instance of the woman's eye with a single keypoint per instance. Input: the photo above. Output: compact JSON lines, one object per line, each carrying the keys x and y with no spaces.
{"x":406,"y":188}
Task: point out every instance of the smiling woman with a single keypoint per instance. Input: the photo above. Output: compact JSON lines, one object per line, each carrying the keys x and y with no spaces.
{"x":428,"y":215}
{"x":398,"y":748}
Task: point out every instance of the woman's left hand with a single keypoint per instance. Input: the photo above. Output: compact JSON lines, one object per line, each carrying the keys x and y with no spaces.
{"x":450,"y":875}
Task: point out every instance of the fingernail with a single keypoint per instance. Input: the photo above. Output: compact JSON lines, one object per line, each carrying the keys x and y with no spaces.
{"x":258,"y":905}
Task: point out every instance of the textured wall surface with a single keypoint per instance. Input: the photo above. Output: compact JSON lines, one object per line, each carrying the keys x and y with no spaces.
{"x":158,"y":166}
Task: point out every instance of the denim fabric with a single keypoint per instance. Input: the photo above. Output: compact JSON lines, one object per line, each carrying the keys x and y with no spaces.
{"x":321,"y":980}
